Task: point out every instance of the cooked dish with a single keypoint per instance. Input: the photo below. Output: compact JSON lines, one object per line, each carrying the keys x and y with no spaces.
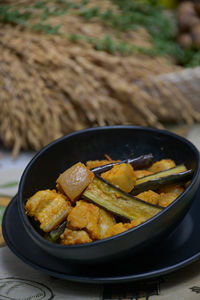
{"x":102,"y":198}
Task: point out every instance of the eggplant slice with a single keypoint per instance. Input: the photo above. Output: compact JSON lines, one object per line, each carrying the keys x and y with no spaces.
{"x":141,"y":162}
{"x":118,"y":202}
{"x":177,"y":174}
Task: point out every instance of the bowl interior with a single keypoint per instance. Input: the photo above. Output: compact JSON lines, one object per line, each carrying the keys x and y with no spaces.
{"x":119,"y":142}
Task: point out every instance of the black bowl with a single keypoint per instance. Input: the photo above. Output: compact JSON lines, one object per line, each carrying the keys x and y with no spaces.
{"x":119,"y":142}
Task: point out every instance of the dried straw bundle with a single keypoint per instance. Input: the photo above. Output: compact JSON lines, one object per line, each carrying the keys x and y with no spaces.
{"x":50,"y":86}
{"x":175,"y":96}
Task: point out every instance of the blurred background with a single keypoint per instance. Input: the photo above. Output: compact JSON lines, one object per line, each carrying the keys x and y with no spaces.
{"x":68,"y":65}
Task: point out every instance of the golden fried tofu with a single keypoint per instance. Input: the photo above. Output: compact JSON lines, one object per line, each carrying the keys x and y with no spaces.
{"x":97,"y":163}
{"x":149,"y":196}
{"x":166,"y":199}
{"x":106,"y":220}
{"x":169,"y":194}
{"x":70,"y":237}
{"x":171,"y":188}
{"x":49,"y":208}
{"x":161,"y":165}
{"x":121,"y":176}
{"x":74,"y":180}
{"x":142,"y":173}
{"x":121,"y":227}
{"x":85,"y":216}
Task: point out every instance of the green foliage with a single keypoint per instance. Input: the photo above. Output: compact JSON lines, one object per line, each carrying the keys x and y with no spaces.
{"x":46,"y":28}
{"x":9,"y":184}
{"x":7,"y":15}
{"x":90,"y":13}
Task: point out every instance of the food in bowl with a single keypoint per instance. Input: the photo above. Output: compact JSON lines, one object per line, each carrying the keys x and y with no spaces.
{"x":119,"y":142}
{"x":102,"y":198}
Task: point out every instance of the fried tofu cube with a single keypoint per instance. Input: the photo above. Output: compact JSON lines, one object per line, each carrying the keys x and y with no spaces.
{"x":121,"y":227}
{"x":74,"y":181}
{"x":49,"y":208}
{"x":106,"y":220}
{"x":73,"y":237}
{"x":142,"y":173}
{"x":149,"y":196}
{"x":161,"y":165}
{"x":166,"y":199}
{"x":97,"y":163}
{"x":171,"y":188}
{"x":121,"y":176}
{"x":169,"y":194}
{"x":85,"y":216}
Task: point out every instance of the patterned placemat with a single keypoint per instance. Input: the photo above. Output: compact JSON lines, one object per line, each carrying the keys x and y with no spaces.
{"x":10,"y":174}
{"x":3,"y":203}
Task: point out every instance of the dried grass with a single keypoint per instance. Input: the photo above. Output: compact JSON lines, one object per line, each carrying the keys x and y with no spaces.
{"x":50,"y":86}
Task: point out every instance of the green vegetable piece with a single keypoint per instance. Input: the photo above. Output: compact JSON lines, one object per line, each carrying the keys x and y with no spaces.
{"x":55,"y":234}
{"x":118,"y":202}
{"x":177,"y":174}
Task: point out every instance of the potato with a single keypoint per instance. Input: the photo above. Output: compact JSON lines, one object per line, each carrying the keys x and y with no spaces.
{"x":195,"y":33}
{"x":185,"y":40}
{"x":74,"y":181}
{"x":186,"y":16}
{"x":186,"y":7}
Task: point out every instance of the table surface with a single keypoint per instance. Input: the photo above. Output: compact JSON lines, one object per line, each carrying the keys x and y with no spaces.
{"x":20,"y":281}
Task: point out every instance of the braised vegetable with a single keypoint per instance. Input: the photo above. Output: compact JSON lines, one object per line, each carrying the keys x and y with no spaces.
{"x":117,"y":202}
{"x":141,"y":162}
{"x":89,"y":207}
{"x":55,"y":234}
{"x":154,"y":181}
{"x":74,"y":180}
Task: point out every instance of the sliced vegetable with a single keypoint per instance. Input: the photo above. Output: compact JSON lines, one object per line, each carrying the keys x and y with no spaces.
{"x":55,"y":234}
{"x":143,"y":161}
{"x":178,"y":174}
{"x":118,"y":202}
